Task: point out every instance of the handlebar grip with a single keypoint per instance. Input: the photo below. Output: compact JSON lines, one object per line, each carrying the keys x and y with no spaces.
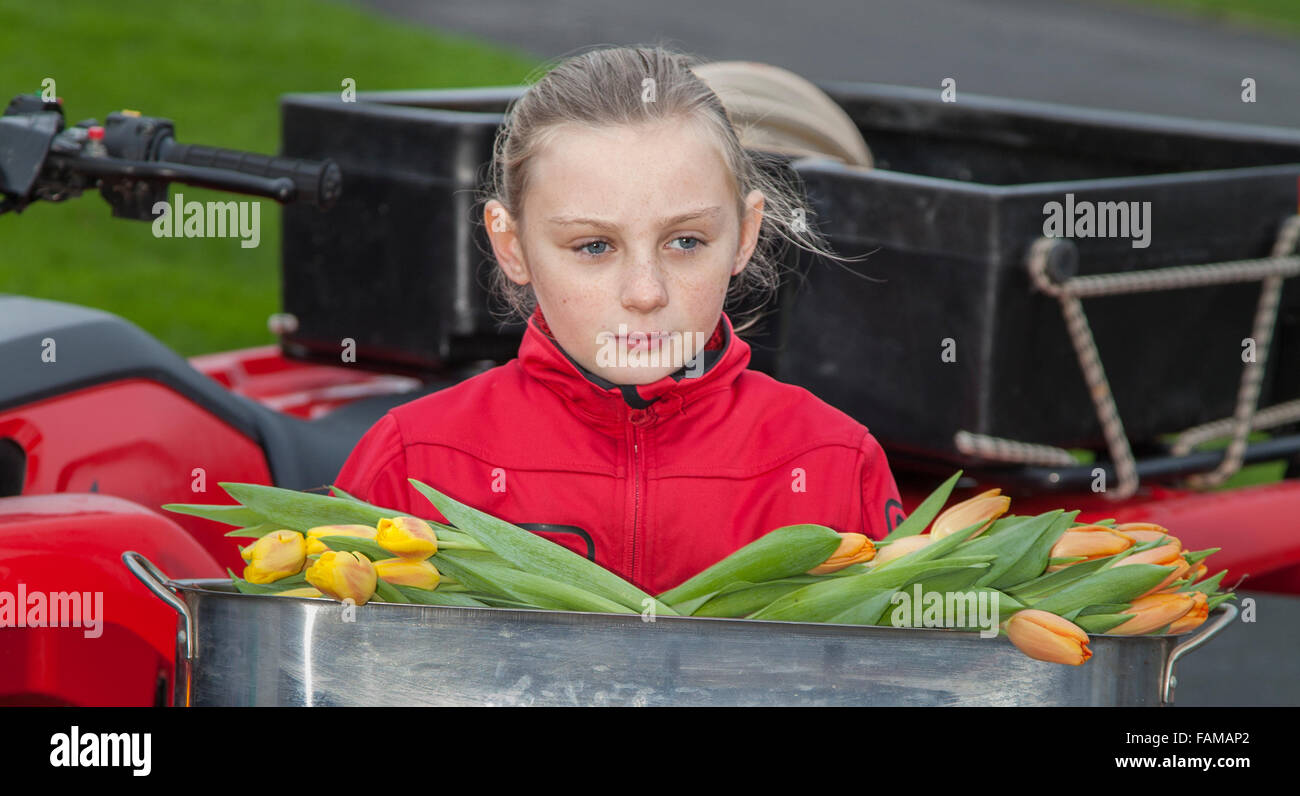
{"x":317,"y":182}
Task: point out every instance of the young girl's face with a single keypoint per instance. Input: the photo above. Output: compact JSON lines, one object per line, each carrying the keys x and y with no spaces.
{"x":628,"y":230}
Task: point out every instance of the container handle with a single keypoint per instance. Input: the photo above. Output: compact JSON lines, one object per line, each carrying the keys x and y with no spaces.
{"x":1168,"y":681}
{"x":161,"y":586}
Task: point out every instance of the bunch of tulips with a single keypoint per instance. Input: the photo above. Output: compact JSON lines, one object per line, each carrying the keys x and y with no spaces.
{"x":1056,"y":580}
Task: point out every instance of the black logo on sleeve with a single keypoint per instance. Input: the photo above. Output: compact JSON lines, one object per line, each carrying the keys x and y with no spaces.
{"x":894,"y":515}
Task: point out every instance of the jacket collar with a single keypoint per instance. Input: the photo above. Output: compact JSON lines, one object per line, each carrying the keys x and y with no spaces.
{"x":724,"y":357}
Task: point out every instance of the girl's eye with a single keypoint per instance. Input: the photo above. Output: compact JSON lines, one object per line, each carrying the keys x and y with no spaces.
{"x":694,"y":242}
{"x":585,"y":248}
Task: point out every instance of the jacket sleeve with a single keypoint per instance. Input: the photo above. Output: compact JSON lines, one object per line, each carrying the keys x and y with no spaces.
{"x":376,"y":469}
{"x":882,"y":510}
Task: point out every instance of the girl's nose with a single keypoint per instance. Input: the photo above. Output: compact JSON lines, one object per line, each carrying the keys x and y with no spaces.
{"x":644,"y":288}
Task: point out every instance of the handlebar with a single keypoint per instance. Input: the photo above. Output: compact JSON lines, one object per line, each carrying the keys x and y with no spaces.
{"x":133,"y":158}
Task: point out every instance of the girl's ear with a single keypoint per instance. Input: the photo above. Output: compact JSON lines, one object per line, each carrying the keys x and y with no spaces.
{"x":749,"y":229}
{"x":503,"y":234}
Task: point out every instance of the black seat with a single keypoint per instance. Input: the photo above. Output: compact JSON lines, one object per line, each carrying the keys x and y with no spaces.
{"x":95,"y":347}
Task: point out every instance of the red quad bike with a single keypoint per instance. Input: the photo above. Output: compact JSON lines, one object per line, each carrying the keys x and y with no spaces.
{"x":101,"y":424}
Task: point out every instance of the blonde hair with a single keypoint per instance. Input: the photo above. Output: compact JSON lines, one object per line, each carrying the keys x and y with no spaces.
{"x":605,"y":87}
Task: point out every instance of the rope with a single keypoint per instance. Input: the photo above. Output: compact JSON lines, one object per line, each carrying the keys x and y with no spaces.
{"x":1272,"y":417}
{"x":1009,"y":450}
{"x":1271,"y":270}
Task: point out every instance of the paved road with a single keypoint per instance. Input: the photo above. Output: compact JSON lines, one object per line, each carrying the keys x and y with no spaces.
{"x":1097,"y":53}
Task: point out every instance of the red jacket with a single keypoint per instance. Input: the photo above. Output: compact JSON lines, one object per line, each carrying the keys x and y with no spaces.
{"x":657,"y":481}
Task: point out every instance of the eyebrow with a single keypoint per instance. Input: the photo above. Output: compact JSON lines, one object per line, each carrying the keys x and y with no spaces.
{"x":707,"y":212}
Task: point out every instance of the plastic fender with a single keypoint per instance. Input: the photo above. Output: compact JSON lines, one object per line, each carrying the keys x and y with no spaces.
{"x":119,"y":646}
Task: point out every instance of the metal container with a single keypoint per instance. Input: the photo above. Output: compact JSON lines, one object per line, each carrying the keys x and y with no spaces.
{"x":242,"y":649}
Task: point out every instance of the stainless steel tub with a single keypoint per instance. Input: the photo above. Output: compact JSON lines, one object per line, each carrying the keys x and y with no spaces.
{"x":239,"y":649}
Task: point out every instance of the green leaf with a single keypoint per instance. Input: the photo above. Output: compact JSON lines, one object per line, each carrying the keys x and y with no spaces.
{"x":867,"y":611}
{"x":539,"y":556}
{"x":254,"y":531}
{"x":1101,"y":623}
{"x":1034,"y":560}
{"x":482,"y":574}
{"x":1209,"y":585}
{"x":1213,"y":602}
{"x":925,"y":513}
{"x":1198,"y":556}
{"x":745,"y":601}
{"x":230,"y":515}
{"x":1114,"y":585}
{"x":301,"y":511}
{"x":1104,"y":608}
{"x":284,"y":584}
{"x":779,"y":553}
{"x":439,"y":597}
{"x":387,"y":592}
{"x":1057,"y":562}
{"x":1050,"y":582}
{"x":1009,"y":546}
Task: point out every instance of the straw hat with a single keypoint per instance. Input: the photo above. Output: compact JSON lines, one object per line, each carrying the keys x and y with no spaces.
{"x":775,"y":110}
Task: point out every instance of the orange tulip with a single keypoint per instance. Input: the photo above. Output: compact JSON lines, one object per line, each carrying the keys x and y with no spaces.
{"x":1194,"y":618}
{"x":1167,"y":555}
{"x":1154,"y":611}
{"x":901,"y":547}
{"x":1044,"y":636}
{"x":1089,"y":541}
{"x":984,"y":507}
{"x":408,"y":537}
{"x":1127,"y":527}
{"x":854,"y":549}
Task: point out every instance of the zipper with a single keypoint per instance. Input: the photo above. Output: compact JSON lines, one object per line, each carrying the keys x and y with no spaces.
{"x":636,"y":492}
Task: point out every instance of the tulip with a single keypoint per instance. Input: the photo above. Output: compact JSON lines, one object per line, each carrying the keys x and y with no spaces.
{"x":408,"y":537}
{"x":305,"y":591}
{"x":315,"y":546}
{"x":1044,"y":636}
{"x":408,"y":572}
{"x":344,"y":576}
{"x":901,"y":547}
{"x":1129,"y":527}
{"x":854,"y":549}
{"x":1194,"y":618}
{"x":1167,"y":555}
{"x":983,"y":508}
{"x":277,"y":555}
{"x":1154,"y":611}
{"x":1089,"y":541}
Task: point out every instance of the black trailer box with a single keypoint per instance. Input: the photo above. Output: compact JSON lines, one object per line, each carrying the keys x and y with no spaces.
{"x":947,"y":218}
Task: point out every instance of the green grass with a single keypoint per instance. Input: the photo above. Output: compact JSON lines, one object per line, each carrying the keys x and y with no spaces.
{"x":217,"y":71}
{"x":1274,"y":15}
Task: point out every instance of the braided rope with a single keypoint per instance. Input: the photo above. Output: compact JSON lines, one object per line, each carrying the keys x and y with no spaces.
{"x":1009,"y":450}
{"x":1280,"y":415}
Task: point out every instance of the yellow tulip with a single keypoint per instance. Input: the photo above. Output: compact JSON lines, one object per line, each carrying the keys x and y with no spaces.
{"x":277,"y":555}
{"x":1152,"y":612}
{"x":1089,"y":541}
{"x":901,"y":547}
{"x":408,"y":537}
{"x":985,"y":506}
{"x":344,"y":576}
{"x":305,"y":591}
{"x":1044,"y":636}
{"x":315,"y":546}
{"x":408,"y":572}
{"x":1194,"y":618}
{"x":854,"y":549}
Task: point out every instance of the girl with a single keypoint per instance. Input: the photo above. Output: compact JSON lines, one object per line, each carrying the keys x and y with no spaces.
{"x":624,"y":212}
